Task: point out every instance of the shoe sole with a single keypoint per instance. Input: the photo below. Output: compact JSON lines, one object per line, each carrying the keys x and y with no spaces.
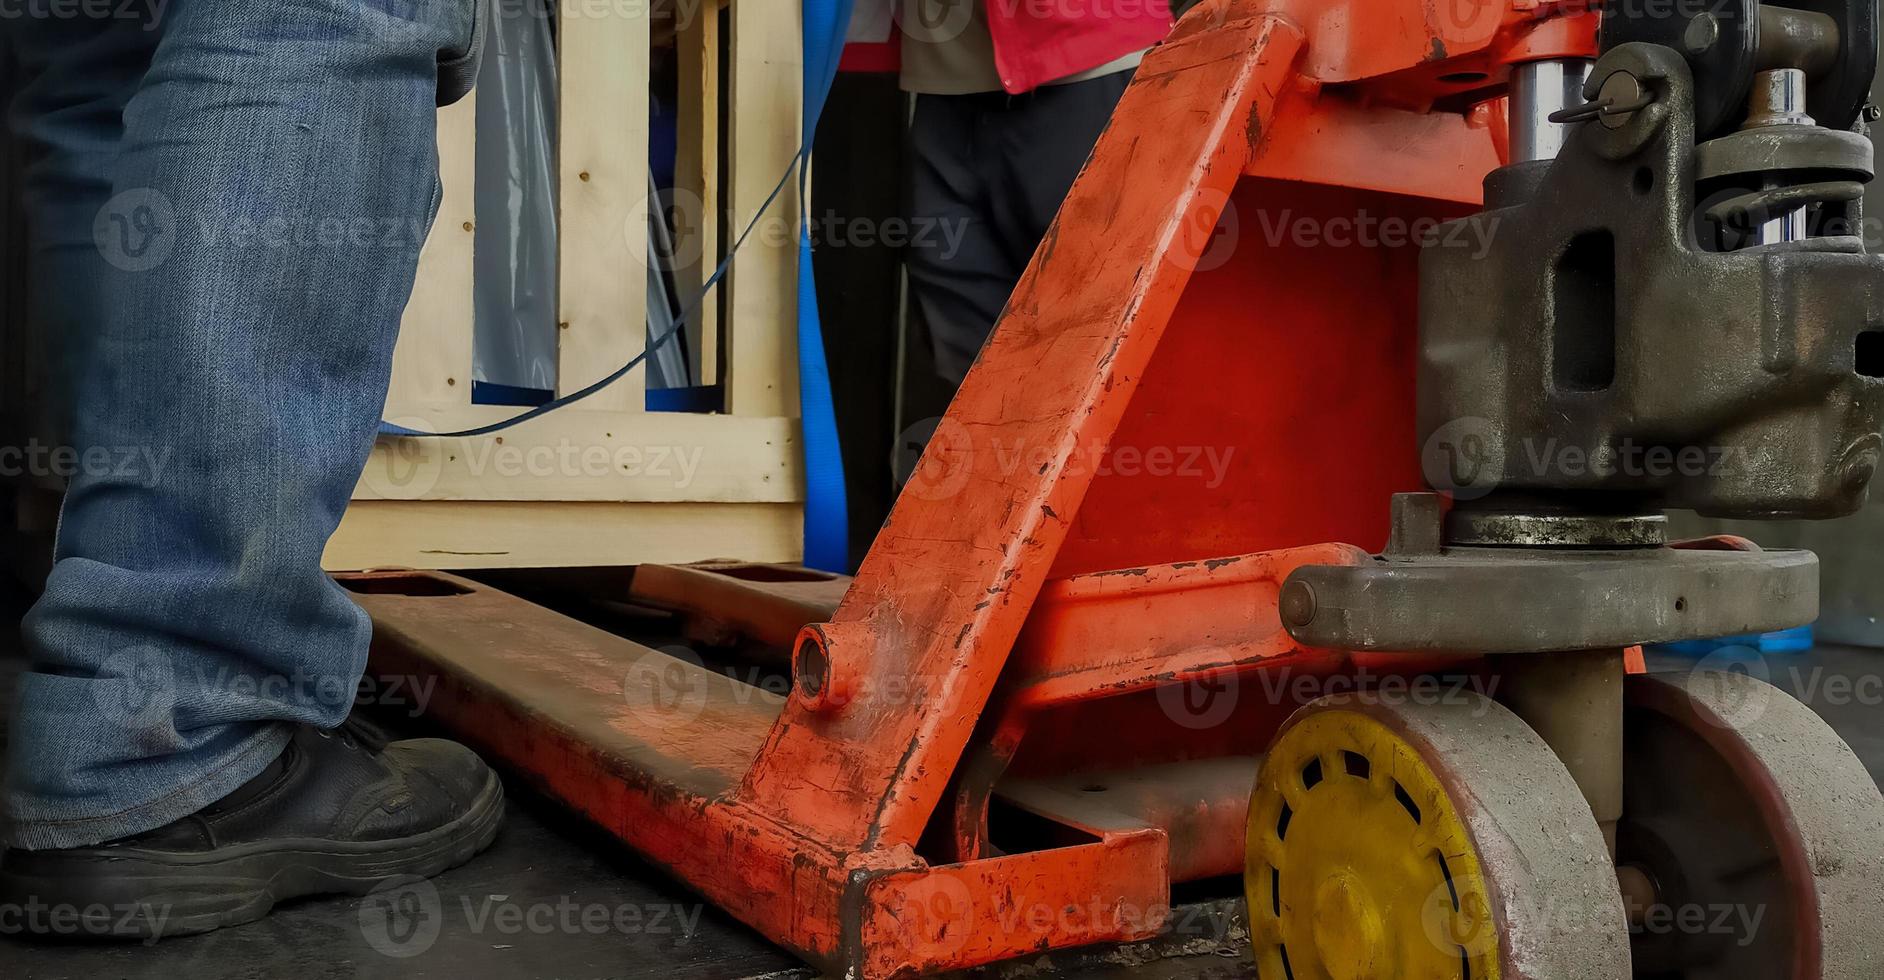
{"x":149,"y":895}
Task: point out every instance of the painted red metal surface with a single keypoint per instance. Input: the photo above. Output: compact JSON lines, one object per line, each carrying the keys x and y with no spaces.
{"x":1204,"y":378}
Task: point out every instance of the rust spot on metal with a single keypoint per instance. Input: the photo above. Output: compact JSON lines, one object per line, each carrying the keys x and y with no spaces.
{"x":963,"y":635}
{"x":1216,"y":563}
{"x":1044,"y":509}
{"x":1438,"y":53}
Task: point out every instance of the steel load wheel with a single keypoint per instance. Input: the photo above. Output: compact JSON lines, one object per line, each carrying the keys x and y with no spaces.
{"x":1415,"y":841}
{"x":1760,"y":834}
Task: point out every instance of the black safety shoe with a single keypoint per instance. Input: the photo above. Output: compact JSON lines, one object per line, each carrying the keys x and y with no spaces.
{"x":337,"y":813}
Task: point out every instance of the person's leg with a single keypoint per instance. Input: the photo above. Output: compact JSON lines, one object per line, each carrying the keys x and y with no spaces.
{"x":959,"y":274}
{"x":67,"y":119}
{"x":1038,"y":149}
{"x":274,"y":181}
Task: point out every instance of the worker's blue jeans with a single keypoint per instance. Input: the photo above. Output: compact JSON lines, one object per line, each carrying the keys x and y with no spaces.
{"x":226,"y":200}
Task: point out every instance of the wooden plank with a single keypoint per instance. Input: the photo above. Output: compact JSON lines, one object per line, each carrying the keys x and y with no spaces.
{"x":432,"y":360}
{"x":434,"y":534}
{"x":602,"y":166}
{"x":697,"y":183}
{"x":591,"y":456}
{"x":761,"y":347}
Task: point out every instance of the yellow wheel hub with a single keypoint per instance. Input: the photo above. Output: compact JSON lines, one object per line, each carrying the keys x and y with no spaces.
{"x":1358,"y":865}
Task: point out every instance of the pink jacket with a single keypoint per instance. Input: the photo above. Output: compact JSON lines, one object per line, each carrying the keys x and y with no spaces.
{"x":1037,"y":41}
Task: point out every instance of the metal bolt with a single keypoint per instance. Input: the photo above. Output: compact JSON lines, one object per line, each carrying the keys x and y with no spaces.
{"x":1703,"y":31}
{"x":1621,"y":95}
{"x":1297,"y":604}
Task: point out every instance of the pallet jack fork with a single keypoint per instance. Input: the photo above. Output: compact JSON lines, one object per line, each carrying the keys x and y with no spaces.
{"x":1043,"y":698}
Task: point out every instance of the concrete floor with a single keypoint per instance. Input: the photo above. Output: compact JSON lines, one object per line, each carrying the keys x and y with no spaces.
{"x":652,"y":928}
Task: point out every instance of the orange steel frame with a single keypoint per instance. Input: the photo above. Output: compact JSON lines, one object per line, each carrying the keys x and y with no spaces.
{"x":1032,"y":596}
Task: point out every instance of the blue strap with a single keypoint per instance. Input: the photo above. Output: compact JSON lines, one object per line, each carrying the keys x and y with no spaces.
{"x":827,"y":519}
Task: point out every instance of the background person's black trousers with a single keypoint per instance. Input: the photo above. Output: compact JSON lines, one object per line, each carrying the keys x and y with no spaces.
{"x":987,"y":174}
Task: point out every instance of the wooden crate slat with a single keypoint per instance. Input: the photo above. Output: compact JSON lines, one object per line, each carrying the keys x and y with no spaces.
{"x":494,"y":534}
{"x":766,"y":79}
{"x":602,"y":166}
{"x":432,"y":360}
{"x":577,"y":455}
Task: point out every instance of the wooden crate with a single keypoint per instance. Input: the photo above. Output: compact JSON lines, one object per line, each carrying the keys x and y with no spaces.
{"x":605,"y":482}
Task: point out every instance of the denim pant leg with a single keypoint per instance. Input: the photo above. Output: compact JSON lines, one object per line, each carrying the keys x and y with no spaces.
{"x":275,"y":177}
